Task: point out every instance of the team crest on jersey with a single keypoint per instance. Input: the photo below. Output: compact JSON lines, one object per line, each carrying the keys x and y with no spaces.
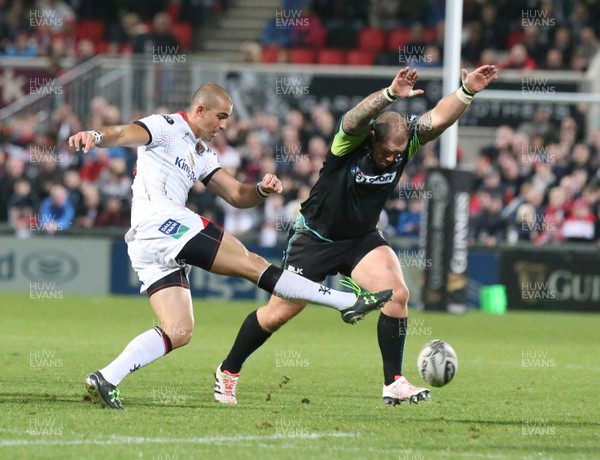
{"x":200,"y":147}
{"x":168,"y":118}
{"x":380,"y":179}
{"x":173,"y":228}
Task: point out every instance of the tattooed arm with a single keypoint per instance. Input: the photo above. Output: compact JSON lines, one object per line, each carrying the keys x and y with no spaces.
{"x":356,"y":121}
{"x":449,"y":110}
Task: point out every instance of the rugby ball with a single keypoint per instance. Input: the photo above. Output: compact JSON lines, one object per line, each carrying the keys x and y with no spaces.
{"x":437,"y":363}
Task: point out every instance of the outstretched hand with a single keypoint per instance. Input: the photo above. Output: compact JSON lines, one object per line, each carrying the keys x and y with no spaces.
{"x":404,"y":81}
{"x":83,"y":140}
{"x":480,"y":78}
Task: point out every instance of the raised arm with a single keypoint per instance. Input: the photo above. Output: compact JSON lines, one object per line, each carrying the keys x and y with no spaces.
{"x":356,"y":121}
{"x":241,"y":195}
{"x":449,"y":109}
{"x":131,"y":135}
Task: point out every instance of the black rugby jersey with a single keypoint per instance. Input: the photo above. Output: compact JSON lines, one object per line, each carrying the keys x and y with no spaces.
{"x":351,"y":191}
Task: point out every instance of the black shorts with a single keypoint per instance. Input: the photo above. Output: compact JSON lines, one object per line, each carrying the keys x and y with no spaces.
{"x":314,"y":258}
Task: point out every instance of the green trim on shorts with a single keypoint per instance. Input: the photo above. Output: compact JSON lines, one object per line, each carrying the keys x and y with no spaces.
{"x":300,"y":224}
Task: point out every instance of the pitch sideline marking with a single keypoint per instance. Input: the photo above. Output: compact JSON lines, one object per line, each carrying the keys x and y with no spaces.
{"x":134,"y":440}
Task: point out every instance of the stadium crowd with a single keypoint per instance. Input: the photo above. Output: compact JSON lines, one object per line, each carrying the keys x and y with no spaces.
{"x":538,"y":34}
{"x":537,"y":182}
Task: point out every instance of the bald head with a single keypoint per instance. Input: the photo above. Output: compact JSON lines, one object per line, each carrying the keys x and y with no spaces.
{"x":209,"y":95}
{"x":390,"y":126}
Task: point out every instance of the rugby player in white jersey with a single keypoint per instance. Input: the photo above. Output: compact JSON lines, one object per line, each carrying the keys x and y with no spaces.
{"x":166,"y":238}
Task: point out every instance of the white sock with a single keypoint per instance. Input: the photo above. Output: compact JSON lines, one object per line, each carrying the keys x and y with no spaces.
{"x":142,"y":350}
{"x":291,"y":286}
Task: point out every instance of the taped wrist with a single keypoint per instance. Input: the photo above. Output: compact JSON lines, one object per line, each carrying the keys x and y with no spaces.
{"x":261,"y":192}
{"x":98,"y":136}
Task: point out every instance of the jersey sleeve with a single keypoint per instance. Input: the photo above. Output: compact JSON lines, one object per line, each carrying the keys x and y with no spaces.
{"x":210,"y":166}
{"x":344,"y":142}
{"x":156,"y":127}
{"x":414,"y":142}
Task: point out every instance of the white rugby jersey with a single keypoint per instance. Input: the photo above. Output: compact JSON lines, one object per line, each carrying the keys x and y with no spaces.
{"x":169,"y":165}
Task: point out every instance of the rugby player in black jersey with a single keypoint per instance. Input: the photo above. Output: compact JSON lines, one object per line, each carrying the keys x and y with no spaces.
{"x":336,"y":232}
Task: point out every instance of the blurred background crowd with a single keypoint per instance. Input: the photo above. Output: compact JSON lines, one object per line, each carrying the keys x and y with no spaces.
{"x":538,"y":182}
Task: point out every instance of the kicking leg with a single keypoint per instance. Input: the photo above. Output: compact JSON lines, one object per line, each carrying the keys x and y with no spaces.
{"x":233,"y":259}
{"x":393,"y":321}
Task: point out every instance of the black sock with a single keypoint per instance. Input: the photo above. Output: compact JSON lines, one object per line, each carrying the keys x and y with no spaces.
{"x":268,"y":279}
{"x":391,"y":333}
{"x":250,"y":337}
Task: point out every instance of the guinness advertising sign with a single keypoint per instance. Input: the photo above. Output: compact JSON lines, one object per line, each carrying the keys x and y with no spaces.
{"x":568,"y":280}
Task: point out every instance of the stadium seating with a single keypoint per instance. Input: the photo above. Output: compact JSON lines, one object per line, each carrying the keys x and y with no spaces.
{"x":398,"y":38}
{"x":302,"y":56}
{"x":270,"y":54}
{"x":371,"y":39}
{"x":359,"y":57}
{"x":90,"y":30}
{"x":183,"y":33}
{"x":331,"y":56}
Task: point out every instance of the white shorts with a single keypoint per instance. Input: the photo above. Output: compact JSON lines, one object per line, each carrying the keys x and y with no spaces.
{"x":154,"y":244}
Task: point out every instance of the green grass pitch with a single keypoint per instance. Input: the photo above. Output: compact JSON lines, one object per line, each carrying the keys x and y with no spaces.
{"x":526,"y":387}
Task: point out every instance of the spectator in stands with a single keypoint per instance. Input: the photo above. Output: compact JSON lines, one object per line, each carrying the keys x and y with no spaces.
{"x":276,"y":34}
{"x":308,"y":31}
{"x":20,"y":208}
{"x":48,"y":175}
{"x":251,"y":52}
{"x":541,"y":124}
{"x":581,"y":158}
{"x":57,"y":10}
{"x":580,"y":16}
{"x":494,"y":31}
{"x":543,"y":176}
{"x":473,"y":44}
{"x":488,"y":227}
{"x":24,"y":46}
{"x":518,"y":58}
{"x":72,"y":183}
{"x":93,"y":163}
{"x":532,"y":40}
{"x":579,"y":226}
{"x":559,"y":157}
{"x":511,"y":178}
{"x":89,"y":208}
{"x":86,"y":50}
{"x":554,"y":60}
{"x":322,"y":123}
{"x":275,"y":221}
{"x":588,"y":43}
{"x":409,"y":220}
{"x":229,"y":157}
{"x":203,"y":203}
{"x":525,"y":227}
{"x":554,"y":217}
{"x":502,"y":141}
{"x":415,"y":47}
{"x":384,"y":14}
{"x":114,"y":182}
{"x":113,"y":214}
{"x":492,"y":181}
{"x":563,"y":42}
{"x":15,"y":170}
{"x":579,"y":62}
{"x":56,"y":212}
